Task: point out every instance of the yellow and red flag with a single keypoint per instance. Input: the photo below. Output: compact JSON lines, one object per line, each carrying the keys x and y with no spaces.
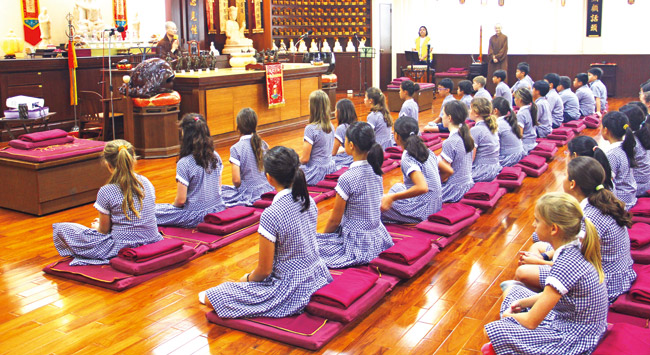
{"x":72,"y":67}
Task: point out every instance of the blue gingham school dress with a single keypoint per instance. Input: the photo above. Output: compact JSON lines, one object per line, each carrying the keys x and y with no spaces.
{"x":297,"y":271}
{"x":253,"y":181}
{"x":89,"y":247}
{"x":342,"y":160}
{"x":416,"y":209}
{"x":320,"y":161}
{"x":453,"y":152}
{"x":409,"y":108}
{"x":576,"y":323}
{"x":203,"y":194}
{"x":361,"y":236}
{"x":529,"y":135}
{"x":383,"y":134}
{"x":486,"y":165}
{"x":511,"y":148}
{"x":622,"y":175}
{"x":642,"y":170}
{"x":544,"y":119}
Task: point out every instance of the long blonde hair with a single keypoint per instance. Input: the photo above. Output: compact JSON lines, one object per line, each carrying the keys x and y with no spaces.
{"x":483,"y":107}
{"x":564,"y":211}
{"x":120,"y":156}
{"x":320,"y":111}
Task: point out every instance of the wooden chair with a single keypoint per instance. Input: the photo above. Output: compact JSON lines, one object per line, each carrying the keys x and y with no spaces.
{"x":91,"y":118}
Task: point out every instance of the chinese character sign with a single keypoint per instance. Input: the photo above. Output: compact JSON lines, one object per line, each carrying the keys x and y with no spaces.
{"x":192,"y":20}
{"x":594,"y":17}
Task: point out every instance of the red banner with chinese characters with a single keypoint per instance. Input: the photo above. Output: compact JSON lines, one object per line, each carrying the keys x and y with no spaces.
{"x":119,"y":15}
{"x":274,"y":85}
{"x":30,"y":21}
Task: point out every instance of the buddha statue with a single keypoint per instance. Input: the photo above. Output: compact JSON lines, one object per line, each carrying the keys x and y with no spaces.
{"x":236,"y":42}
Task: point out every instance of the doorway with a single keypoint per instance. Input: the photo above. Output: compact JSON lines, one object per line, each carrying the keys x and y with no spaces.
{"x":385,"y":45}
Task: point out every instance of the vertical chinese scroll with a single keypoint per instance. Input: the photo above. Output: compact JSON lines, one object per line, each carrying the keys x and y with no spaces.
{"x":594,"y":17}
{"x":223,"y":15}
{"x":258,"y":6}
{"x":209,"y":12}
{"x":242,"y":14}
{"x":192,"y":20}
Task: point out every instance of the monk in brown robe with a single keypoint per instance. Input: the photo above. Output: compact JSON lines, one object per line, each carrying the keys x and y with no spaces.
{"x":168,"y":45}
{"x":497,"y":54}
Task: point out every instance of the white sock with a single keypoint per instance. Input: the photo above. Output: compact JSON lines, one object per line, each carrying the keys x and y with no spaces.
{"x":202,"y":297}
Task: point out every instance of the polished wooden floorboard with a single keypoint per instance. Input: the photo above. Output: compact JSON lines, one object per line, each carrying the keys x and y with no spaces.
{"x":442,"y":310}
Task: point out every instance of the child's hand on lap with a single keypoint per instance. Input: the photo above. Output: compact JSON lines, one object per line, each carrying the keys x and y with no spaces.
{"x":95,"y":224}
{"x":386,"y":202}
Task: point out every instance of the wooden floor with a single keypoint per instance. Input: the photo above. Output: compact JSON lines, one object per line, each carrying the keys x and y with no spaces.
{"x":442,"y":310}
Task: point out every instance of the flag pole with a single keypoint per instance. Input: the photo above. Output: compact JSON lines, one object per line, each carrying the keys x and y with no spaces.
{"x":72,"y":64}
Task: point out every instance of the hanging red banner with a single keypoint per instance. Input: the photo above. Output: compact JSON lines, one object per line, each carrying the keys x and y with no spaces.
{"x":274,"y":85}
{"x":119,"y":15}
{"x":30,"y":21}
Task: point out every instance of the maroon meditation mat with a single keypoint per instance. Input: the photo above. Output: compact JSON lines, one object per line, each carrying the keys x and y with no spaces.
{"x":482,"y":191}
{"x":641,"y":219}
{"x":43,"y":136}
{"x":639,"y":235}
{"x":558,"y":142}
{"x":304,"y":330}
{"x":533,"y":172}
{"x":548,"y":154}
{"x":626,"y":304}
{"x":486,"y":205}
{"x":446,"y":230}
{"x":406,"y":250}
{"x":512,"y":184}
{"x":591,"y":121}
{"x":262,"y":203}
{"x":211,"y":240}
{"x":435,"y":147}
{"x":394,"y":164}
{"x":576,"y":125}
{"x":429,"y":137}
{"x":622,"y":338}
{"x":509,"y":173}
{"x":391,"y":280}
{"x":336,"y":175}
{"x":269,"y":195}
{"x":641,"y":255}
{"x":26,"y":145}
{"x":640,"y":289}
{"x":356,"y":309}
{"x":395,"y":149}
{"x":442,"y":241}
{"x":452,"y":213}
{"x":642,"y":207}
{"x":402,"y":270}
{"x":563,"y":131}
{"x":317,"y":189}
{"x":532,"y":161}
{"x":228,"y":215}
{"x":613,"y":318}
{"x":140,"y":268}
{"x":394,"y":156}
{"x":561,"y":137}
{"x":330,"y":184}
{"x":347,"y":287}
{"x":224,"y":229}
{"x":150,"y":251}
{"x":44,"y":154}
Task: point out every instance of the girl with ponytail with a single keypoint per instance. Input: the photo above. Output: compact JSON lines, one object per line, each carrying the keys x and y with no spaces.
{"x":455,"y":162}
{"x":511,"y":148}
{"x":486,"y":164}
{"x":379,"y":117}
{"x":617,"y":131}
{"x":318,"y":141}
{"x":585,"y":146}
{"x":409,"y":108}
{"x":198,"y":177}
{"x":127,"y":218}
{"x":345,"y":115}
{"x":289,"y":269}
{"x":354,"y":234}
{"x":421,"y":193}
{"x":574,"y":296}
{"x":247,"y":159}
{"x":527,"y":118}
{"x":642,"y":139}
{"x":584,"y":181}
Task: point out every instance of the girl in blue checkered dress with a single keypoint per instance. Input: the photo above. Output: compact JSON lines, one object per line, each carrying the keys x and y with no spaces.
{"x":345,"y":115}
{"x":316,"y":157}
{"x":570,"y":315}
{"x":527,"y":118}
{"x":246,"y":157}
{"x":379,"y":117}
{"x":616,"y":130}
{"x":289,"y":269}
{"x":511,"y":148}
{"x":585,"y":178}
{"x":642,"y":137}
{"x":126,"y":208}
{"x":455,"y":161}
{"x":198,"y":177}
{"x":486,"y":165}
{"x":354,"y":233}
{"x":421,"y":193}
{"x":409,"y":108}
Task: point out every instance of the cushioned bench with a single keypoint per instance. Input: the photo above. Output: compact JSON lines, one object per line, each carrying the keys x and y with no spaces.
{"x":424,"y":97}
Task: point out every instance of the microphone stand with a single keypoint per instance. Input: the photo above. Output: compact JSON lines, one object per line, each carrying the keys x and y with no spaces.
{"x":300,"y":39}
{"x":110,"y":81}
{"x":361,"y":93}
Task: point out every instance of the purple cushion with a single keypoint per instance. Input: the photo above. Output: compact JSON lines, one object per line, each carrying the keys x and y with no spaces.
{"x":388,"y":167}
{"x":544,"y":153}
{"x":212,"y":241}
{"x":447,"y":230}
{"x":485,"y":205}
{"x":613,"y":318}
{"x":452,"y":75}
{"x":532,"y":171}
{"x":435,"y":147}
{"x":402,"y":270}
{"x":360,"y":306}
{"x":641,"y":255}
{"x":626,"y":304}
{"x":76,"y":148}
{"x":512,"y":184}
{"x":135,"y":268}
{"x":622,"y":338}
{"x":426,"y":86}
{"x":393,"y":87}
{"x":442,"y":242}
{"x":304,"y":330}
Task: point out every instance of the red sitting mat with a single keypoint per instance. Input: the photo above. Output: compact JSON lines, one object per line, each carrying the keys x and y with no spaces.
{"x":613,"y":318}
{"x":641,"y":219}
{"x":346,"y":288}
{"x":548,"y":155}
{"x":26,"y":145}
{"x":532,"y":171}
{"x":592,"y":121}
{"x":452,"y":213}
{"x":395,"y":149}
{"x":402,"y":231}
{"x":213,"y":241}
{"x":228,"y":215}
{"x":431,"y":137}
{"x":626,"y":304}
{"x":642,"y":207}
{"x":639,"y":235}
{"x":224,"y":229}
{"x":563,"y":131}
{"x":360,"y":306}
{"x":435,"y":147}
{"x":641,"y":255}
{"x":326,"y":183}
{"x":150,"y":251}
{"x":388,"y":167}
{"x":561,"y":137}
{"x":446,"y":229}
{"x":43,"y":136}
{"x":640,"y":289}
{"x":336,"y":175}
{"x":401,"y":270}
{"x":262,"y":203}
{"x":486,"y":205}
{"x":533,"y":161}
{"x":395,"y":156}
{"x":304,"y":330}
{"x":407,"y":251}
{"x":512,"y":184}
{"x":442,"y":242}
{"x":558,"y":143}
{"x":158,"y":262}
{"x":484,"y":191}
{"x":546,"y":147}
{"x":269,"y":195}
{"x":44,"y":154}
{"x":509,"y":173}
{"x":624,"y":338}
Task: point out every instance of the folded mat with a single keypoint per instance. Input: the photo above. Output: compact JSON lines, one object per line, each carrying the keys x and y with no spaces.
{"x":592,"y":122}
{"x":304,"y":330}
{"x":212,"y":241}
{"x":150,"y":251}
{"x":613,"y":318}
{"x":401,"y":270}
{"x":452,"y":213}
{"x":228,"y":215}
{"x":641,"y":255}
{"x":626,"y":304}
{"x":622,"y":338}
{"x":509,"y":173}
{"x":548,"y":155}
{"x":26,"y":145}
{"x":563,"y":131}
{"x":640,"y":289}
{"x":43,"y":136}
{"x":269,"y":195}
{"x":639,"y":235}
{"x":532,"y":161}
{"x":446,"y":230}
{"x":577,"y":127}
{"x":431,"y":137}
{"x":327,"y":183}
{"x":44,"y":154}
{"x":401,"y":231}
{"x":395,"y":149}
{"x":224,"y":229}
{"x":558,"y":143}
{"x":512,"y":184}
{"x":642,"y":207}
{"x":486,"y":205}
{"x":641,"y":219}
{"x":262,"y":203}
{"x":435,"y":147}
{"x":158,"y":262}
{"x":532,"y":172}
{"x":443,"y":241}
{"x":346,"y":288}
{"x":388,"y":167}
{"x":545,"y":147}
{"x":484,"y":191}
{"x":407,"y":250}
{"x":336,"y":175}
{"x":561,"y":137}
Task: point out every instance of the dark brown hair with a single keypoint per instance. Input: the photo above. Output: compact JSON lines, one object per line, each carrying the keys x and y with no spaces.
{"x":197,"y":141}
{"x":247,"y":124}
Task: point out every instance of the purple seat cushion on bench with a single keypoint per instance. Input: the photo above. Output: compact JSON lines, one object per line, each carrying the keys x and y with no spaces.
{"x":446,"y":230}
{"x":426,"y":86}
{"x":193,"y":235}
{"x":532,"y":171}
{"x":393,"y":87}
{"x":626,"y":304}
{"x":134,"y":268}
{"x":402,"y":270}
{"x":485,"y":205}
{"x":512,"y":184}
{"x":40,"y":155}
{"x":304,"y":330}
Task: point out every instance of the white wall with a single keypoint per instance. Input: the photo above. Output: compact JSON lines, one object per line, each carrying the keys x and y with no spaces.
{"x":151,"y":14}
